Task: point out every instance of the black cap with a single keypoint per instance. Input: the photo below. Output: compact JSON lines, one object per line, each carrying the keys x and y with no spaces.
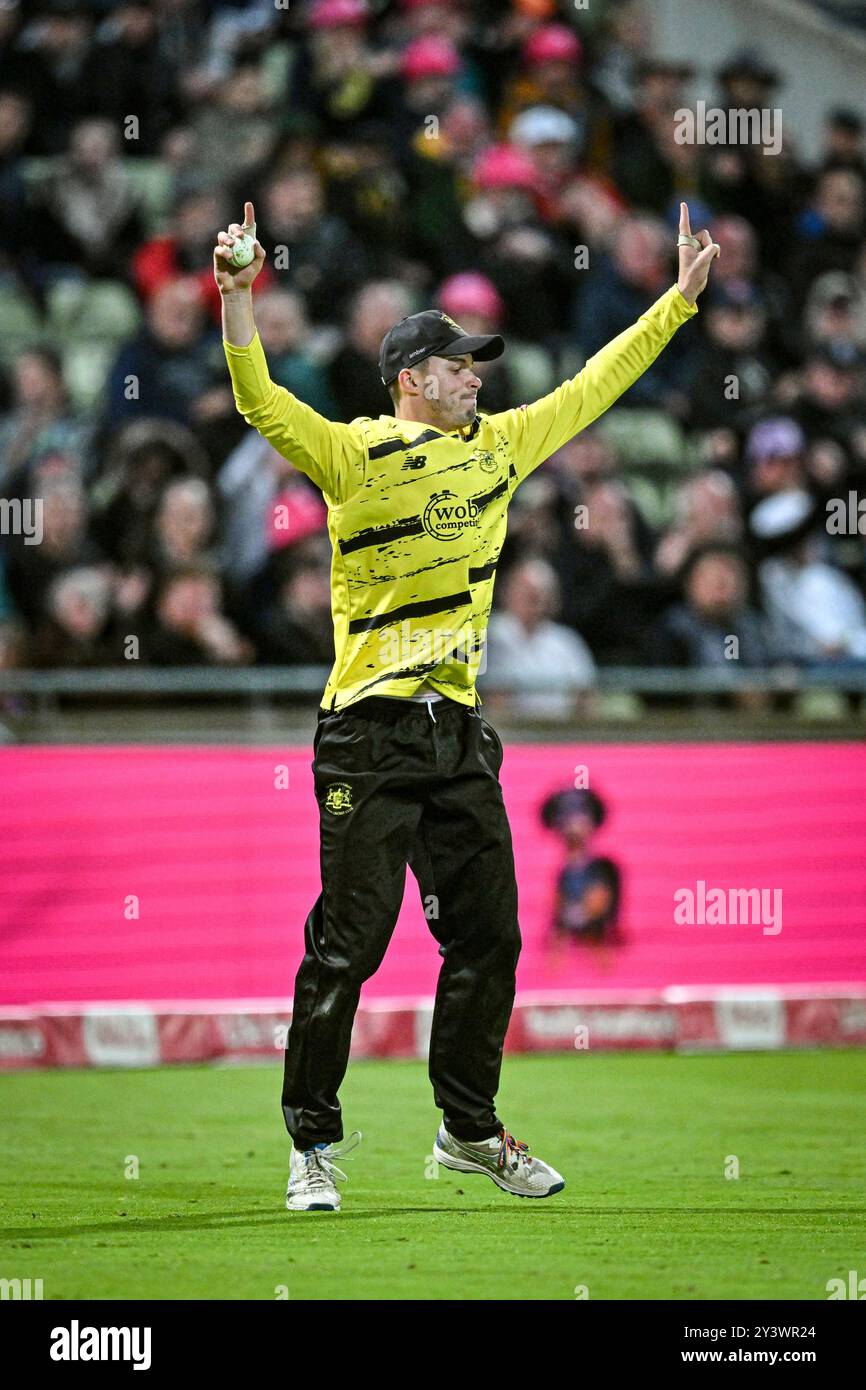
{"x":578,"y":801}
{"x":846,"y":119}
{"x":663,"y":67}
{"x":431,"y":334}
{"x":749,"y":62}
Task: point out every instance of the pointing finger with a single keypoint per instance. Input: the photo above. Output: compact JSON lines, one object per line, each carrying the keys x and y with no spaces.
{"x":684,"y":219}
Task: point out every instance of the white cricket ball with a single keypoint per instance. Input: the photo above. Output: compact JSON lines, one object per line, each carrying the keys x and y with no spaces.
{"x":243,"y":252}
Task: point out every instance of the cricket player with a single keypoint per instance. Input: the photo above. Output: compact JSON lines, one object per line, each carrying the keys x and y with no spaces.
{"x":406,"y":770}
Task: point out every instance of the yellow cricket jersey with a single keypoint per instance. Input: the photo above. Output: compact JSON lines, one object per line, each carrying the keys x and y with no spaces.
{"x":417,"y":517}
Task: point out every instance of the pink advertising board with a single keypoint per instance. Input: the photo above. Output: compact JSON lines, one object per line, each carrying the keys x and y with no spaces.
{"x":220,"y":861}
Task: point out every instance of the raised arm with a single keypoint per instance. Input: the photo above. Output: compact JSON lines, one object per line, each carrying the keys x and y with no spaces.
{"x":235,"y":283}
{"x":331,"y":454}
{"x":538,"y":430}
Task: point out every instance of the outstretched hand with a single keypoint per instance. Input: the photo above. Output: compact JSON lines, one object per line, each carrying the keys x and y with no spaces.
{"x":228,"y":276}
{"x":695,"y":261}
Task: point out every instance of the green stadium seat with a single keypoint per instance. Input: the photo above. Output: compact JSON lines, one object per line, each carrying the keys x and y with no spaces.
{"x":104,"y":310}
{"x":152,"y":180}
{"x":22,"y":326}
{"x":618,"y":706}
{"x":531,"y":371}
{"x":820,"y":705}
{"x":645,"y":436}
{"x":85,"y":370}
{"x":653,"y":497}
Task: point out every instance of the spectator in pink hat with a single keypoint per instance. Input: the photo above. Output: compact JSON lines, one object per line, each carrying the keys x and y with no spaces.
{"x":338,"y":80}
{"x":296,"y":513}
{"x":429,"y":59}
{"x":553,"y":76}
{"x":338,"y":14}
{"x":432,"y":74}
{"x":554,"y":47}
{"x":507,"y":186}
{"x":529,"y":263}
{"x":428,"y":71}
{"x":474,"y":301}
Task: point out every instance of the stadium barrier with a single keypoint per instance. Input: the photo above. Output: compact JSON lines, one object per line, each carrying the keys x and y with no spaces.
{"x":308,"y":682}
{"x":678,"y":1020}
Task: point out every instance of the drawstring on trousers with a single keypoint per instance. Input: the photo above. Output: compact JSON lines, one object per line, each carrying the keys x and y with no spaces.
{"x":429,"y":704}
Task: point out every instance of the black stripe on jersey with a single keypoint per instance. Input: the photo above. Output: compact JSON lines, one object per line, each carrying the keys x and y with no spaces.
{"x":397,"y":676}
{"x":485,"y":498}
{"x":410,"y":610}
{"x":397,"y":446}
{"x":482,"y":572}
{"x":380,"y":535}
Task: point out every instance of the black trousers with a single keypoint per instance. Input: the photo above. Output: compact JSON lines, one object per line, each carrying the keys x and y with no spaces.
{"x":399,"y":783}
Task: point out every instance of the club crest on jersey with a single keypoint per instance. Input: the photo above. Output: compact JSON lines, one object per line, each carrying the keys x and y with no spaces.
{"x":484,"y":459}
{"x":338,"y":799}
{"x":446,"y":517}
{"x":414,"y":460}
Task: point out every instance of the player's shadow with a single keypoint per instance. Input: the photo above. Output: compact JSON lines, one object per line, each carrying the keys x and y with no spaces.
{"x":123,"y":1226}
{"x":256,"y":1216}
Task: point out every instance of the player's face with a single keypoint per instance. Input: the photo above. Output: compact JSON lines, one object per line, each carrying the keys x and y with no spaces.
{"x":451,"y":388}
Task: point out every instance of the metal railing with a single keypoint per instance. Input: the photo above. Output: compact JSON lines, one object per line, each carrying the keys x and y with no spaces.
{"x":306,"y":682}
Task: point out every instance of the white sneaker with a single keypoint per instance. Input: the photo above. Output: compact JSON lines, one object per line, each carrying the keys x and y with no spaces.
{"x":503,"y":1159}
{"x":313,"y":1175}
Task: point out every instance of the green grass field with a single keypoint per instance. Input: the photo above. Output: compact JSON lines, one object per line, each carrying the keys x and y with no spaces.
{"x":643,"y":1142}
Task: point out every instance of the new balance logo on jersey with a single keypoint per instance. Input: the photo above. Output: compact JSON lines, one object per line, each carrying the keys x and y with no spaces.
{"x":414,"y":460}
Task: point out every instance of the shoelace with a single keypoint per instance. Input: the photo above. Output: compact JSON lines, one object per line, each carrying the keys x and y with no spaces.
{"x":319,"y":1162}
{"x":512,"y":1147}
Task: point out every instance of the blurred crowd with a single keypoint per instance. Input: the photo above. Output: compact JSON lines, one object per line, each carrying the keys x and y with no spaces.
{"x":513,"y":162}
